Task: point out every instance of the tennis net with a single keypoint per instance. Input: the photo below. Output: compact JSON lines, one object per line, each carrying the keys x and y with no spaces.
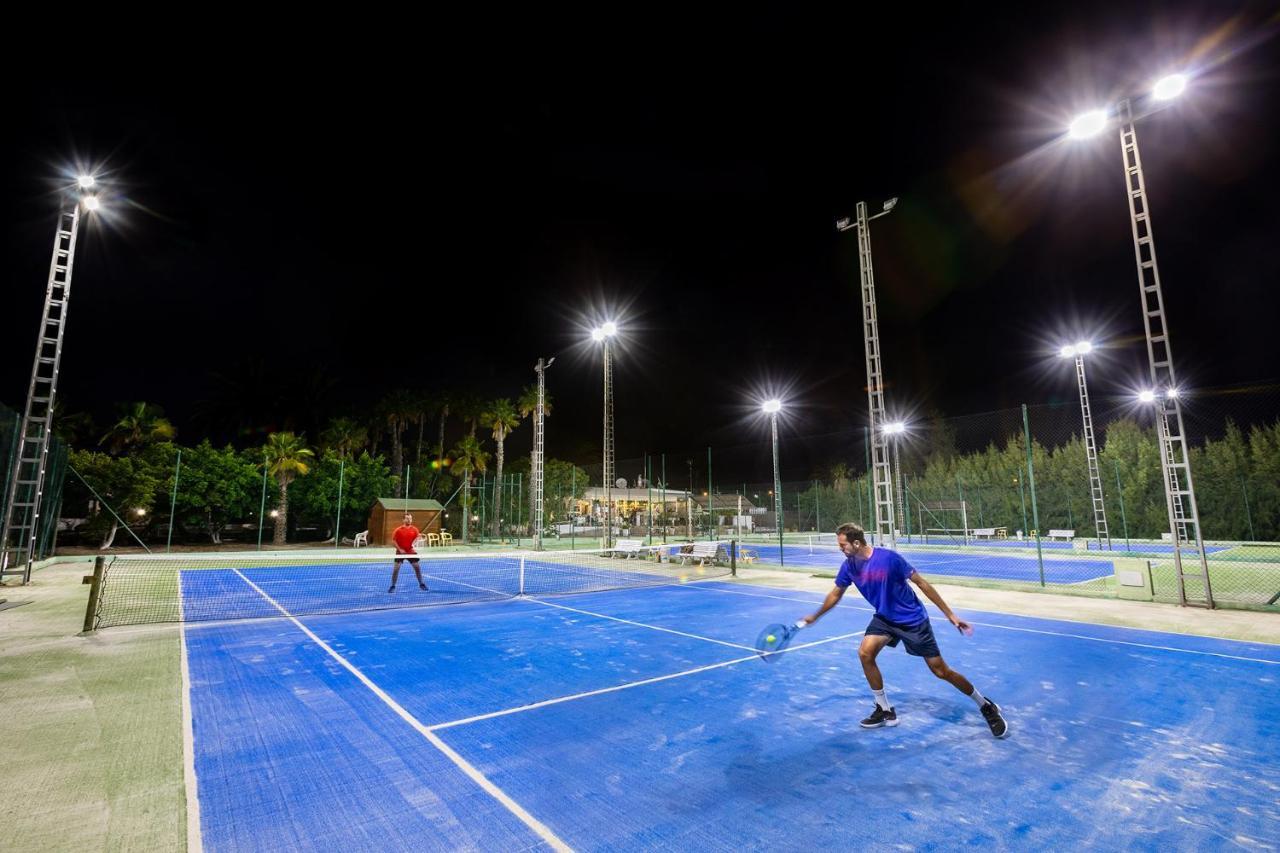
{"x":196,"y":588}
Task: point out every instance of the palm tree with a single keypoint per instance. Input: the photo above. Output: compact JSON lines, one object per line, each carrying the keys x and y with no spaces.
{"x":75,"y":428}
{"x":345,"y":437}
{"x":425,"y":404}
{"x":470,"y":409}
{"x":141,"y":424}
{"x":395,"y":412}
{"x":443,"y":402}
{"x":500,"y":417}
{"x":470,"y":457}
{"x":527,"y":402}
{"x":287,"y":458}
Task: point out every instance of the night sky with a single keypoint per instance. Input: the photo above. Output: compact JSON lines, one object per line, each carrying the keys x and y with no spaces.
{"x":317,"y":219}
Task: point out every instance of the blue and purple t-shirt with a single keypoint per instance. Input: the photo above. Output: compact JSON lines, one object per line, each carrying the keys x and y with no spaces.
{"x":882,"y":580}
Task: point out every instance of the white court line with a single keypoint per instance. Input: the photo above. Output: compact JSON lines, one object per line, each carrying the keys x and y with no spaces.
{"x":631,"y":684}
{"x":1129,"y":643}
{"x":1061,"y":633}
{"x":194,"y":840}
{"x":637,"y":624}
{"x":1088,"y":580}
{"x":465,"y":766}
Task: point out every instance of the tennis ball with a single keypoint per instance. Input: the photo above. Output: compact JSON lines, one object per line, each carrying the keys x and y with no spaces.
{"x":770,"y":638}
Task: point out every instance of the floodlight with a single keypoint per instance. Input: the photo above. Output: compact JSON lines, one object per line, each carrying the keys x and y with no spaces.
{"x":1084,"y":347}
{"x":772,"y":406}
{"x":1089,"y":124}
{"x":597,"y":335}
{"x":1146,"y":397}
{"x":610,"y":329}
{"x":1169,"y":87}
{"x":1172,"y":393}
{"x":889,"y":205}
{"x":91,"y":203}
{"x":85,"y":181}
{"x":895,"y":428}
{"x":1067,"y":351}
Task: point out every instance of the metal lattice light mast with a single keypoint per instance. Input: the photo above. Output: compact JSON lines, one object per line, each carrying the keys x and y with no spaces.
{"x":1077,"y":352}
{"x":771,"y":408}
{"x":24,"y":492}
{"x":1175,"y":462}
{"x":896,"y":429}
{"x":538,"y":466}
{"x":881,"y":470}
{"x":602,"y":336}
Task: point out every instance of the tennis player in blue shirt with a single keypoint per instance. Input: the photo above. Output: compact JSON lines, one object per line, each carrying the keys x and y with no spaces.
{"x":881,"y":576}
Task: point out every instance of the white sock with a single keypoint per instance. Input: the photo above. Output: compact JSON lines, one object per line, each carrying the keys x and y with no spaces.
{"x":881,"y":700}
{"x":978,"y":698}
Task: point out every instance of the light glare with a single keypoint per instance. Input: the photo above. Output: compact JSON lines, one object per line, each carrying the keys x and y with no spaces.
{"x":1172,"y":393}
{"x":1067,"y":351}
{"x":85,"y":181}
{"x":1146,"y":396}
{"x":772,"y":406}
{"x":91,"y":203}
{"x":1089,"y":124}
{"x":610,"y":329}
{"x":1084,"y":347}
{"x":597,"y":335}
{"x":1170,"y":87}
{"x":895,"y":428}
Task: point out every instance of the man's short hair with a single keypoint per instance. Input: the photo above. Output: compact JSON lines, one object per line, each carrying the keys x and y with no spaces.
{"x":852,"y":532}
{"x":408,"y":515}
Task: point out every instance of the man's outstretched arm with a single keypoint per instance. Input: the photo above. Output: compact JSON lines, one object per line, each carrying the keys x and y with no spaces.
{"x":936,"y":598}
{"x":832,"y":599}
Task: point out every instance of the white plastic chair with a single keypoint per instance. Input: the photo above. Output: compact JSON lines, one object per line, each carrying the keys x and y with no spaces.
{"x":362,"y":538}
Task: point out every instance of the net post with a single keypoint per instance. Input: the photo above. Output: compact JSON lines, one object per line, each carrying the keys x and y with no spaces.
{"x":173,"y":501}
{"x":710,"y":502}
{"x":91,"y":611}
{"x":733,"y":557}
{"x":337,"y":524}
{"x":522,"y":574}
{"x":262,"y":506}
{"x":1031,"y":484}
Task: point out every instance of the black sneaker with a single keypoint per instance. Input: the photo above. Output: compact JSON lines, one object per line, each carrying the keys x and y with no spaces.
{"x":991,"y":713}
{"x":880,"y":717}
{"x":391,"y":588}
{"x":422,"y":586}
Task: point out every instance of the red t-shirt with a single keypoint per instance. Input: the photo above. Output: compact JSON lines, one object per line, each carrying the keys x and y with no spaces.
{"x":404,"y":537}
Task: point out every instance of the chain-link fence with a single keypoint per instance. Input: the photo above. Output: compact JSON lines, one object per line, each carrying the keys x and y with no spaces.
{"x":55,"y":475}
{"x":1005,"y":498}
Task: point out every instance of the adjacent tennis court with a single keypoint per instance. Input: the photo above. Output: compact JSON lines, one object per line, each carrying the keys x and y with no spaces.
{"x":642,"y":718}
{"x":957,"y":562}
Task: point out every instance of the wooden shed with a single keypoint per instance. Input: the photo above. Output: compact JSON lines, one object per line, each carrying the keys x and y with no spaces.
{"x":388,"y":514}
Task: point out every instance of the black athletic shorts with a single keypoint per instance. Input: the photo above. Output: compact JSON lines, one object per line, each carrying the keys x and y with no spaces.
{"x":917,"y":638}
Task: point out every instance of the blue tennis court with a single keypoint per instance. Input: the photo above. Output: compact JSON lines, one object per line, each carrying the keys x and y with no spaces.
{"x":1117,"y":544}
{"x":958,"y":563}
{"x":642,"y":719}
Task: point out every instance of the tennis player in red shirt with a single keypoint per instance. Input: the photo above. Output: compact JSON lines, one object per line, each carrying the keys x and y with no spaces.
{"x":404,"y":537}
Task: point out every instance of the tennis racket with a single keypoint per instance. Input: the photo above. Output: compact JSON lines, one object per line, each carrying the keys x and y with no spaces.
{"x":776,"y":637}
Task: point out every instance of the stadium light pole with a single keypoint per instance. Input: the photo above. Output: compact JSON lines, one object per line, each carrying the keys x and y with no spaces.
{"x":896,"y":429}
{"x":1077,"y":352}
{"x":602,"y":336}
{"x":538,"y":468}
{"x":24,"y":493}
{"x":881,"y":473}
{"x":771,"y":408}
{"x":1175,"y":461}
